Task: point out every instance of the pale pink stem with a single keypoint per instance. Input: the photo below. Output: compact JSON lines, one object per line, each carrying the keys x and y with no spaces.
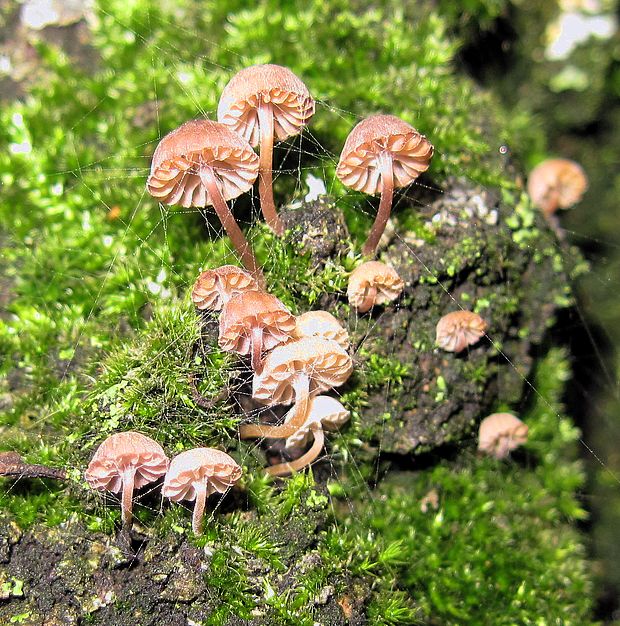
{"x":385,"y":206}
{"x":257,"y":349}
{"x":265,"y":176}
{"x":294,"y":419}
{"x":284,"y":469}
{"x":370,"y":297}
{"x":199,"y":505}
{"x":209,"y":180}
{"x":129,"y":476}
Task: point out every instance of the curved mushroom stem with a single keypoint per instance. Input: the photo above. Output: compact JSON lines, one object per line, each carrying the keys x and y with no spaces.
{"x":199,"y":505}
{"x":209,"y":180}
{"x":370,"y":297}
{"x":257,"y":349}
{"x":284,"y":469}
{"x":385,"y":206}
{"x":265,"y":169}
{"x":294,"y":419}
{"x":129,"y":476}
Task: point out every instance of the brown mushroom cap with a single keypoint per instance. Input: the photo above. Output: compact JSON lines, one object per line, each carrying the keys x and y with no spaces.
{"x":358,"y":167}
{"x":556,"y":183}
{"x":214,"y":288}
{"x":292,"y":103}
{"x":373,"y":283}
{"x":500,"y":433}
{"x":459,"y":329}
{"x":324,"y":411}
{"x":124,"y":461}
{"x":254,"y":321}
{"x":175,"y":178}
{"x":322,"y":324}
{"x":196,"y":474}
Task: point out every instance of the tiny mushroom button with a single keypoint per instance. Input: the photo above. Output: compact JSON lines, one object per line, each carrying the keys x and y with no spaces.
{"x":214,"y":288}
{"x":382,"y":152}
{"x":373,"y":283}
{"x":204,"y":163}
{"x":500,"y":433}
{"x":263,"y":103}
{"x":124,"y":462}
{"x":196,"y":474}
{"x":459,"y":329}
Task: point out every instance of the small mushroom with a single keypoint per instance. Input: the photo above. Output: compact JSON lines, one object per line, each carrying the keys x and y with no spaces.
{"x":203,"y":163}
{"x":500,"y":433}
{"x":124,"y":462}
{"x":253,"y":322}
{"x":556,"y":184}
{"x":382,"y":152}
{"x":263,"y":102}
{"x":373,"y":283}
{"x":459,"y":329}
{"x":214,"y":288}
{"x":196,"y":474}
{"x":294,"y":372}
{"x":322,"y":324}
{"x":324,"y":413}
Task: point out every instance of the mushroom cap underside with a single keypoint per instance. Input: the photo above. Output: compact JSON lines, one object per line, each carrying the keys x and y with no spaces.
{"x":382,"y":277}
{"x":322,"y":324}
{"x":501,"y":429}
{"x":560,"y":181}
{"x":459,"y":329}
{"x":323,"y":410}
{"x":216,"y":286}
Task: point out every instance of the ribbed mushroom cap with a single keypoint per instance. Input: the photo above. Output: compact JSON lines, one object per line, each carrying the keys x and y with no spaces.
{"x":174,"y":177}
{"x":323,"y":410}
{"x":325,"y":363}
{"x":373,"y":283}
{"x":120,"y":452}
{"x":556,"y":183}
{"x":322,"y":324}
{"x":358,"y":167}
{"x":216,"y":287}
{"x":500,"y":433}
{"x":292,"y":103}
{"x":459,"y":329}
{"x":254,"y":309}
{"x":194,"y":466}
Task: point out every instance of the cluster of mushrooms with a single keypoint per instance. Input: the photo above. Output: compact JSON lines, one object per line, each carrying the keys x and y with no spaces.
{"x":294,"y":359}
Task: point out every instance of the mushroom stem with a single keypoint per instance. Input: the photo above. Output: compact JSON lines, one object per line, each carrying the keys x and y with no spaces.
{"x":294,"y":419}
{"x":265,"y":169}
{"x":129,"y":476}
{"x":369,"y":299}
{"x":385,"y":206}
{"x":284,"y":469}
{"x":257,"y":349}
{"x":199,"y":505}
{"x":209,"y":180}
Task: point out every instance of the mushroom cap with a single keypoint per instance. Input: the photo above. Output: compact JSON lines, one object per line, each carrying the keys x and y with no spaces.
{"x":254,"y":309}
{"x":174,"y":177}
{"x":556,"y":183}
{"x":373,"y":274}
{"x":214,"y":288}
{"x":193,"y":467}
{"x":325,"y":363}
{"x":322,"y":410}
{"x":118,"y":453}
{"x":500,"y":433}
{"x":459,"y":329}
{"x":292,"y":103}
{"x":358,"y":167}
{"x":322,"y":324}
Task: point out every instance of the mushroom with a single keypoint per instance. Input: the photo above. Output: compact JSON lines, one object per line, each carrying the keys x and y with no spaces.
{"x":214,"y":288}
{"x":263,"y":103}
{"x":373,"y":283}
{"x":196,"y":474}
{"x":124,"y":462}
{"x":459,"y":329}
{"x":322,"y":324}
{"x":324,"y":413}
{"x":203,"y":163}
{"x":500,"y":433}
{"x":294,"y":372}
{"x":252,"y":322}
{"x":382,"y":152}
{"x":556,"y":184}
